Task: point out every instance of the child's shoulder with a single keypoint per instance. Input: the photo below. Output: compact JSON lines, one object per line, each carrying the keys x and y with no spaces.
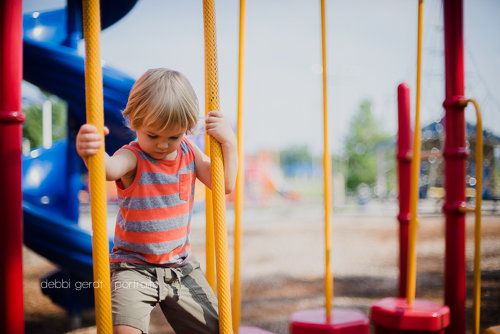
{"x":133,"y":145}
{"x":128,"y":151}
{"x":187,"y":144}
{"x":190,"y":146}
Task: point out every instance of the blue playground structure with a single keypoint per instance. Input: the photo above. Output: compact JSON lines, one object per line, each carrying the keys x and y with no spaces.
{"x":52,"y":177}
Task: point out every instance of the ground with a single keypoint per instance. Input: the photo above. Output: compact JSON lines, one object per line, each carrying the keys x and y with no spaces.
{"x":283,"y":264}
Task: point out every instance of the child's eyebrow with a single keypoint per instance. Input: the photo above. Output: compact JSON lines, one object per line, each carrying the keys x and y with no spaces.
{"x":155,"y":134}
{"x":180,"y":134}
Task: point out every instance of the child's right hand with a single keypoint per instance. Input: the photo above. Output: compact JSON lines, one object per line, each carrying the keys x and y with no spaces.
{"x":88,"y":141}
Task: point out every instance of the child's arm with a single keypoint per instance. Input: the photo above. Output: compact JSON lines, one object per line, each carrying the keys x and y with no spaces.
{"x":218,"y":127}
{"x":88,"y":142}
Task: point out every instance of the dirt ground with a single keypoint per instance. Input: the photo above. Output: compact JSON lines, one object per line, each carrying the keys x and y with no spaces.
{"x":283,"y":265}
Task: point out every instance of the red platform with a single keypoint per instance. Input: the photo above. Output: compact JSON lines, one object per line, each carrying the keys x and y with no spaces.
{"x":341,"y":322}
{"x":395,"y":316}
{"x":252,"y":330}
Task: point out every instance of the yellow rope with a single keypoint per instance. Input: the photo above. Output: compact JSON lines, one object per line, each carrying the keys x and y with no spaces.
{"x":209,"y":235}
{"x":415,"y":173}
{"x":328,"y":175}
{"x":209,"y":213}
{"x":218,"y":189}
{"x":95,"y":116}
{"x":240,"y":179}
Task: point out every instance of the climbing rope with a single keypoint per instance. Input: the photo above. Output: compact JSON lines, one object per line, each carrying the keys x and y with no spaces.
{"x":218,"y":189}
{"x":209,"y":212}
{"x":97,"y":172}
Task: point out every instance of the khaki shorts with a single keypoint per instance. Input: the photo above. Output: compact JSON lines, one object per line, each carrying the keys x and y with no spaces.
{"x":185,"y":297}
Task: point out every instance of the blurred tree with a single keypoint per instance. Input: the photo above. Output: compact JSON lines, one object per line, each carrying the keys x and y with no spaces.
{"x":365,"y":135}
{"x":295,"y":154}
{"x":32,"y":127}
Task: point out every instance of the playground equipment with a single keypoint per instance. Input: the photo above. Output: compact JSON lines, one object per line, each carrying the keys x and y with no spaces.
{"x":404,"y":157}
{"x":11,"y":119}
{"x":240,"y":178}
{"x":455,"y":155}
{"x":400,"y":315}
{"x":327,"y":320}
{"x":117,"y":92}
{"x":432,"y":171}
{"x":64,"y":243}
{"x":97,"y":169}
{"x":76,"y":254}
{"x":265,"y":178}
{"x":218,"y":192}
{"x":52,"y":177}
{"x":209,"y":215}
{"x":240,"y":181}
{"x":395,"y":315}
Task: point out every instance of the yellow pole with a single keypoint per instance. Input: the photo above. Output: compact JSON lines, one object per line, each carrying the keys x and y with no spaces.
{"x":327,"y":167}
{"x":218,"y":189}
{"x":209,"y":212}
{"x":97,"y":172}
{"x":240,"y":179}
{"x":477,"y":230}
{"x":415,"y":173}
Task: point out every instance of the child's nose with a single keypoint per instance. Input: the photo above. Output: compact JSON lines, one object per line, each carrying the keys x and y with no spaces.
{"x":162,"y":145}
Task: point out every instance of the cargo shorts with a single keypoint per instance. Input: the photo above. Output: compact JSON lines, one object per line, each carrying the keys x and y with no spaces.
{"x":185,"y":297}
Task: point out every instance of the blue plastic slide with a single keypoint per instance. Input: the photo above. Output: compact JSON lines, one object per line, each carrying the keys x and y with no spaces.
{"x":52,"y":177}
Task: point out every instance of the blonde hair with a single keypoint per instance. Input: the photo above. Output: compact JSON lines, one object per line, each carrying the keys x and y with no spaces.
{"x":162,"y":99}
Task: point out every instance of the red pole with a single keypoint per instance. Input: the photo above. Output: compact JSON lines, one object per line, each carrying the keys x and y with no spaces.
{"x":455,"y":155}
{"x":11,"y":119}
{"x":404,"y":156}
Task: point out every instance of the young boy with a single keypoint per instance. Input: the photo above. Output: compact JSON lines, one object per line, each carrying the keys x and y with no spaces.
{"x":151,"y":259}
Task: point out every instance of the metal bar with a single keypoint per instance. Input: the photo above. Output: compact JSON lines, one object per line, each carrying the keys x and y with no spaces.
{"x":455,"y":155}
{"x":476,"y":302}
{"x":327,"y":167}
{"x":404,"y":156}
{"x":11,"y":119}
{"x":415,"y":174}
{"x":240,"y":180}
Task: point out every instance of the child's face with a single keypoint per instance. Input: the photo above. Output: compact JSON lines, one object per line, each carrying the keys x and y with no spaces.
{"x":160,"y":145}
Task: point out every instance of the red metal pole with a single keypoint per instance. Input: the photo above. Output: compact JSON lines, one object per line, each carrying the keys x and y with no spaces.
{"x":455,"y":155}
{"x":404,"y":156}
{"x":11,"y":119}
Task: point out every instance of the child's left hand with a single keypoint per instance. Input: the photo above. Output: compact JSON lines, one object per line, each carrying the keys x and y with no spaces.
{"x":218,"y":127}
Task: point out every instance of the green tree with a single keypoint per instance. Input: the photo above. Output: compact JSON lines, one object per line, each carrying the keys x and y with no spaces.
{"x":295,"y":154}
{"x":364,"y":135}
{"x":32,"y":127}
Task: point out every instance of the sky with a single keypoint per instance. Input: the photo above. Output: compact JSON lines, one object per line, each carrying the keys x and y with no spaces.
{"x":371,"y":49}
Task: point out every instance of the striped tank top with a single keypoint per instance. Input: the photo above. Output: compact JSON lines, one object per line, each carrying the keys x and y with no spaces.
{"x":153,"y":224}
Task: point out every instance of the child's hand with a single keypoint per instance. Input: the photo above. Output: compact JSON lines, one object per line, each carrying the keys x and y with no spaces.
{"x":88,"y":141}
{"x":218,"y":127}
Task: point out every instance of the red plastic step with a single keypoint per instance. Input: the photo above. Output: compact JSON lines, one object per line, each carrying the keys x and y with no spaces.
{"x":340,"y":322}
{"x":395,"y":316}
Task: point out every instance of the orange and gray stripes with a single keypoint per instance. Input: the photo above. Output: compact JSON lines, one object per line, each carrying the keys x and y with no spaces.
{"x":153,"y":225}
